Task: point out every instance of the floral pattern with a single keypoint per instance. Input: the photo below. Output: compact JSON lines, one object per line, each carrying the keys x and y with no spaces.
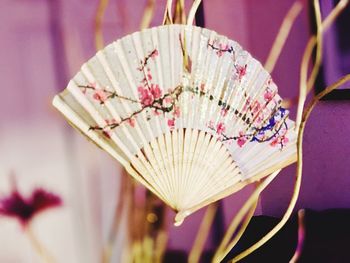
{"x":263,"y":123}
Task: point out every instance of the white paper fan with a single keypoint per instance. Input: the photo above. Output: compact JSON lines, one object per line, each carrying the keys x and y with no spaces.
{"x":189,"y":114}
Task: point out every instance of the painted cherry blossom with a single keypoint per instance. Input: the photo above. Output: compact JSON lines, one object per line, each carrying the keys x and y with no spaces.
{"x":241,"y":71}
{"x":176,"y":111}
{"x":145,"y":96}
{"x":131,"y":122}
{"x":281,"y":140}
{"x":171,"y":123}
{"x":100,"y":95}
{"x":241,"y":139}
{"x":220,"y":128}
{"x":156,"y":91}
{"x":154,"y":102}
{"x":268,"y":95}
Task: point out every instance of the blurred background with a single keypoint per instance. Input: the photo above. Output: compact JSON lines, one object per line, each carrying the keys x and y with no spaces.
{"x":42,"y":45}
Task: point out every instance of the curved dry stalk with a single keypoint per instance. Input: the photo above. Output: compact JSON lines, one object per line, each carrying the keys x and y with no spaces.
{"x":319,"y":41}
{"x":148,"y":14}
{"x":161,"y":244}
{"x":248,"y":205}
{"x":180,"y":14}
{"x":39,"y":247}
{"x":282,"y":35}
{"x":202,"y":233}
{"x":243,"y":227}
{"x":327,"y":22}
{"x":305,"y":64}
{"x":101,"y":9}
{"x":291,"y":205}
{"x":168,"y":18}
{"x":301,"y":236}
{"x":193,"y":11}
{"x":108,"y":248}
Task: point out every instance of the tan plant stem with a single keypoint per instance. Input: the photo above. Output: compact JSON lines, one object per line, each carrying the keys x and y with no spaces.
{"x":101,"y":9}
{"x":202,"y":233}
{"x":161,"y":244}
{"x":39,"y":247}
{"x":193,"y":11}
{"x":249,"y":204}
{"x":242,"y":229}
{"x":180,"y":15}
{"x":118,"y":213}
{"x":148,"y":14}
{"x":305,"y":63}
{"x":327,"y":22}
{"x":301,"y":235}
{"x":306,"y":116}
{"x":168,"y":18}
{"x":282,"y":35}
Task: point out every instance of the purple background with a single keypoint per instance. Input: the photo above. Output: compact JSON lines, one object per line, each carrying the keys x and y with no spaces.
{"x":36,"y":143}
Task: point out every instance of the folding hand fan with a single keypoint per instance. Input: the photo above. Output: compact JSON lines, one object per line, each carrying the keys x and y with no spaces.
{"x":187,"y":112}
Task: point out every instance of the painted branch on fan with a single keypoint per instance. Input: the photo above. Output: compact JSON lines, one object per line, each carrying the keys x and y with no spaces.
{"x":262,"y":127}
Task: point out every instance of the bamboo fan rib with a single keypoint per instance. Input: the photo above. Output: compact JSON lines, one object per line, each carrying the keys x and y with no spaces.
{"x":189,"y":113}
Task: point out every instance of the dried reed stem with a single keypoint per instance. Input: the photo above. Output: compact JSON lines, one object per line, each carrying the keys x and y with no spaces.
{"x":168,"y":18}
{"x":180,"y":14}
{"x":289,"y":210}
{"x":202,"y":233}
{"x":301,"y":236}
{"x":39,"y":247}
{"x":305,"y":63}
{"x":148,"y":14}
{"x":193,"y":11}
{"x":327,"y":22}
{"x":249,"y":204}
{"x":108,"y":248}
{"x":282,"y":35}
{"x":101,"y":9}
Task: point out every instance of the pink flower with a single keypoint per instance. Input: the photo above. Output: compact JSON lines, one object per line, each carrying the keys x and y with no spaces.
{"x":220,"y":128}
{"x":247,"y":104}
{"x":202,"y":87}
{"x":156,"y":91}
{"x":145,"y":96}
{"x":241,"y":71}
{"x":107,"y":134}
{"x":241,"y":139}
{"x":268,"y":95}
{"x":171,"y":123}
{"x":24,"y":209}
{"x":156,"y":112}
{"x":224,"y":112}
{"x":111,"y":121}
{"x":256,"y":107}
{"x":131,"y":122}
{"x":149,"y":76}
{"x":211,"y":124}
{"x":154,"y":53}
{"x":100,"y":95}
{"x":176,"y":112}
{"x":279,"y":140}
